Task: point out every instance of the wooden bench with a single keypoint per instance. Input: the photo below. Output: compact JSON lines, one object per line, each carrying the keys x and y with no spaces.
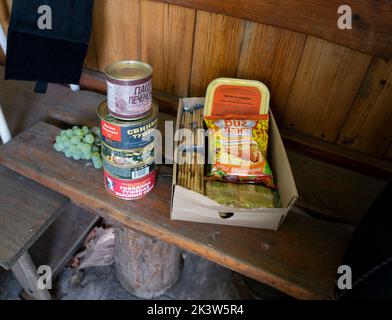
{"x":26,"y":210}
{"x":300,"y":259}
{"x":32,"y":217}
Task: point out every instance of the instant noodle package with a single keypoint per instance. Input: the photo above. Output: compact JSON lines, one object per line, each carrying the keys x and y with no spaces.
{"x":237,"y":117}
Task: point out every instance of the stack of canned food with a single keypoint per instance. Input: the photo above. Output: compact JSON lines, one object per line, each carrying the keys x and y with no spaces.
{"x":127,"y":120}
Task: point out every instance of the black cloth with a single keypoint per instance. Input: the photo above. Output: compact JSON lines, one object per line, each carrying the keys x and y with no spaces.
{"x":369,"y":253}
{"x":51,"y":55}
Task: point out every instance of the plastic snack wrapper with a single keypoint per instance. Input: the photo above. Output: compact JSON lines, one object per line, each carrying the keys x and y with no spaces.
{"x":238,"y":149}
{"x":249,"y":196}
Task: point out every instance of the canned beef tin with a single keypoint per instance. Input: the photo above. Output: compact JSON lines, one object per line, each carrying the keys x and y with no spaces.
{"x":129,"y":89}
{"x":129,"y":189}
{"x":127,"y":134}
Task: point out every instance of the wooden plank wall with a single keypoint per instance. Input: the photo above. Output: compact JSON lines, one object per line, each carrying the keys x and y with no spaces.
{"x":5,"y":10}
{"x":323,"y":89}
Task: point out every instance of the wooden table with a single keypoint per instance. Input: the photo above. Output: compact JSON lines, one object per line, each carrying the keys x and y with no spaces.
{"x":300,"y":259}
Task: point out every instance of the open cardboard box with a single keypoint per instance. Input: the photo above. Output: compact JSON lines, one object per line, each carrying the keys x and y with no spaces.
{"x":192,"y":206}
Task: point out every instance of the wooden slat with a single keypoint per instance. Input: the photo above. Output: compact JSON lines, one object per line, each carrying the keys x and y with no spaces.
{"x":300,"y":259}
{"x":368,"y":127}
{"x":167,"y":43}
{"x":8,"y":5}
{"x":27,"y":275}
{"x":62,"y":238}
{"x":327,"y":80}
{"x":333,"y":192}
{"x":91,"y":60}
{"x":2,"y":57}
{"x":116,"y":31}
{"x":271,"y":55}
{"x":217,"y":48}
{"x":388,"y":153}
{"x":5,"y":12}
{"x":336,"y":154}
{"x":26,"y":210}
{"x":371,"y":23}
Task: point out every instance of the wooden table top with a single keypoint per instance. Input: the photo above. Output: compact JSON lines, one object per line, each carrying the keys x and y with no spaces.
{"x":300,"y":259}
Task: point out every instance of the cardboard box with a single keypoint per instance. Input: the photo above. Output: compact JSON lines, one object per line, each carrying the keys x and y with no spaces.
{"x":191,"y":206}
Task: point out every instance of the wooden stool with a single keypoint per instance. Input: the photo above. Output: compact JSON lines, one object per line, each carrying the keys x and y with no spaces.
{"x":32,"y":230}
{"x":145,"y":265}
{"x":26,"y":210}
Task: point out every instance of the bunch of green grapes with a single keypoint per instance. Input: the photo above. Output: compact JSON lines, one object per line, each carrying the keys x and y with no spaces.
{"x":80,"y":144}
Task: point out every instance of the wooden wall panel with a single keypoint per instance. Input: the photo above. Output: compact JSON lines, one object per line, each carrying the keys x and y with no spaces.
{"x":5,"y":12}
{"x":371,"y":20}
{"x":218,"y":41}
{"x":167,"y":44}
{"x":368,"y":127}
{"x":116,"y":31}
{"x":388,"y":153}
{"x":327,"y":80}
{"x":91,"y":60}
{"x":271,"y":55}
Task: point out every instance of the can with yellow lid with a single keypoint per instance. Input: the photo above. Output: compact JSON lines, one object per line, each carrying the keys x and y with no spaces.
{"x":226,"y":96}
{"x":129,"y":89}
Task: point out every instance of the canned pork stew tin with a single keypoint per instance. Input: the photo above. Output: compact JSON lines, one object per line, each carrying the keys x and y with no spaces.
{"x":127,"y":134}
{"x":129,"y":89}
{"x":128,"y":158}
{"x":128,"y":164}
{"x":129,"y":189}
{"x":130,"y":173}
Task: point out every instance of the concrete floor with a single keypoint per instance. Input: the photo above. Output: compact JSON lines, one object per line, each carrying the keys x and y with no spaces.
{"x":200,"y":279}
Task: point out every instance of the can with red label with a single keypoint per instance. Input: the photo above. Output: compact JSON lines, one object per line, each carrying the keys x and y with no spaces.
{"x":129,"y":189}
{"x":129,"y":89}
{"x":127,"y":134}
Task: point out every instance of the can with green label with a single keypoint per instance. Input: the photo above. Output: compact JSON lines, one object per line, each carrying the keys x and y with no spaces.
{"x":127,"y":157}
{"x":129,"y":173}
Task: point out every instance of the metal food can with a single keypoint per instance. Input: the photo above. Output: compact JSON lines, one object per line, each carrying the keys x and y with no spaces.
{"x":127,"y":134}
{"x":131,"y":173}
{"x":129,"y":189}
{"x":127,"y":158}
{"x":129,"y":89}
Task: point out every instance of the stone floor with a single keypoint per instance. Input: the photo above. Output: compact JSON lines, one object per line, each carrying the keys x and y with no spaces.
{"x":200,"y":279}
